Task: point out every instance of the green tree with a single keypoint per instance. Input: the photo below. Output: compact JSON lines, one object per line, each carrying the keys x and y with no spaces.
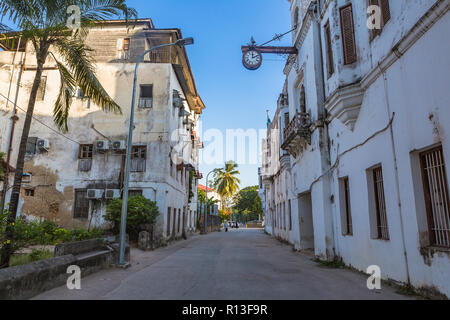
{"x":248,"y":204}
{"x":141,"y":211}
{"x":202,"y":198}
{"x":226,"y":182}
{"x":43,"y":24}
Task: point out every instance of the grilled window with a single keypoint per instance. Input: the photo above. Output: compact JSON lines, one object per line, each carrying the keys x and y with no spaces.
{"x":41,"y":90}
{"x":380,"y":204}
{"x":138,"y":159}
{"x":29,"y":192}
{"x":348,"y":34}
{"x":146,"y":97}
{"x":330,"y":61}
{"x":81,"y":206}
{"x":168,"y":220}
{"x":347,"y":226}
{"x":436,"y":196}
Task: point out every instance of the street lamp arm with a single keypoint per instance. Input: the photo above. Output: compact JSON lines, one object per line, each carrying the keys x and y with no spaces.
{"x":123,"y":223}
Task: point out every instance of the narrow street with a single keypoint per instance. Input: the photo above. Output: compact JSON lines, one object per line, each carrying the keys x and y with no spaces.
{"x":238,"y":265}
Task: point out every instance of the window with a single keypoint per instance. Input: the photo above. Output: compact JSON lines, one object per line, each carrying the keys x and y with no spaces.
{"x":380,"y":204}
{"x":286,"y":119}
{"x":437,"y":200}
{"x":41,"y":90}
{"x":168,"y":220}
{"x":290,"y":215}
{"x":85,"y":157}
{"x":29,"y":192}
{"x":385,"y":15}
{"x":179,"y":218}
{"x":81,"y":206}
{"x":31,"y":145}
{"x":348,"y":34}
{"x":134,"y":193}
{"x":146,"y":97}
{"x":346,"y":213}
{"x":138,"y":159}
{"x":126,"y":44}
{"x":330,"y":61}
{"x":302,"y":100}
{"x":123,"y":47}
{"x":85,"y":151}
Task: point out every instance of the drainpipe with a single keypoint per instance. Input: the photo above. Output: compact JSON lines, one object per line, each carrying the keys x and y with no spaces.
{"x":397,"y":180}
{"x":322,"y":126}
{"x":14,"y":118}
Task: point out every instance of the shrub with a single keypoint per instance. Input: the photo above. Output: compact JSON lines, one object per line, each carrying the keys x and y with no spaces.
{"x":141,"y":211}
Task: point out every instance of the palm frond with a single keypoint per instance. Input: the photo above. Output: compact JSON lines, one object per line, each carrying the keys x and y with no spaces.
{"x":64,"y":100}
{"x":77,"y":57}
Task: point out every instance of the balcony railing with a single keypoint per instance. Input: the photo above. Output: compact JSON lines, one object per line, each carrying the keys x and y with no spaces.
{"x":297,"y":132}
{"x":145,"y":103}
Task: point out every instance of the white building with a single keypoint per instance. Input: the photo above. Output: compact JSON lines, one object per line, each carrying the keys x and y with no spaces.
{"x":72,"y":176}
{"x":367,"y":137}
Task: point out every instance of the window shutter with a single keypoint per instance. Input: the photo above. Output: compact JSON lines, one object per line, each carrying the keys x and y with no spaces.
{"x":348,"y":34}
{"x":385,"y":11}
{"x":329,"y":50}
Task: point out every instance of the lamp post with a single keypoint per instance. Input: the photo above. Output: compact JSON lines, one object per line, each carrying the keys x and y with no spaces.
{"x":123,"y":223}
{"x":206,"y":205}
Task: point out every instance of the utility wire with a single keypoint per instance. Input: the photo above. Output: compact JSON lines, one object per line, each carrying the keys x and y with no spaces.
{"x":278,"y":36}
{"x":42,"y":123}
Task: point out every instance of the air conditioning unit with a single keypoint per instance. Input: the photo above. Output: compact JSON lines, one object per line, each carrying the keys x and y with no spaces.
{"x":94,"y":194}
{"x":43,"y":144}
{"x":119,"y":145}
{"x":102,"y":145}
{"x":112,"y":193}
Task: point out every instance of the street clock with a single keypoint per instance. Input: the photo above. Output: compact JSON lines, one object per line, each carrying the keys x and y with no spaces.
{"x":252,"y":59}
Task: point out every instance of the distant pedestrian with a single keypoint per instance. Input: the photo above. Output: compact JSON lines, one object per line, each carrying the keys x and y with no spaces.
{"x":226,"y":227}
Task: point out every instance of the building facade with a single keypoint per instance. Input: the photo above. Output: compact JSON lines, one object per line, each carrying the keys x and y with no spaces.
{"x":71,"y":177}
{"x":367,"y":138}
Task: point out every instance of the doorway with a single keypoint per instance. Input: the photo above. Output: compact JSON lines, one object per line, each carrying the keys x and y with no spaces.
{"x":306,"y":221}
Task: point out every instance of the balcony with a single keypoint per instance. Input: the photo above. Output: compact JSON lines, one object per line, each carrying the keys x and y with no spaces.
{"x":297,"y":135}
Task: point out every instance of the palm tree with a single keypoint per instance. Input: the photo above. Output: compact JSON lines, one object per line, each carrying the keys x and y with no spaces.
{"x":226,"y":181}
{"x":43,"y":25}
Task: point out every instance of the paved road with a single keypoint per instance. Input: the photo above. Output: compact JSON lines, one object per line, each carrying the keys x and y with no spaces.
{"x":238,"y":265}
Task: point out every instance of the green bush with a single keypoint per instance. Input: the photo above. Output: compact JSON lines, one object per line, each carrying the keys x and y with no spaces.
{"x":140,"y":211}
{"x":29,"y":233}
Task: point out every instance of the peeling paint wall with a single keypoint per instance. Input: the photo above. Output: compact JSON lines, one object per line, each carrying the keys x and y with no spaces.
{"x":55,"y":172}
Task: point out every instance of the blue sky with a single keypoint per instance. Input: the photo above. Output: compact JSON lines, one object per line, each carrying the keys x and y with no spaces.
{"x":234,"y":97}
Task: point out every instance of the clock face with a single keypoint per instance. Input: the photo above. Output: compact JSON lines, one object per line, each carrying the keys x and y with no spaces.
{"x":252,"y":59}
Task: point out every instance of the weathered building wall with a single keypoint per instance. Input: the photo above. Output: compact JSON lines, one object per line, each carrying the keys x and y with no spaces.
{"x":56,"y":174}
{"x":383,"y":109}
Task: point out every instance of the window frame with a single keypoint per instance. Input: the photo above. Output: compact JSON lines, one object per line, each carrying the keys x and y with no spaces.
{"x":347,"y":60}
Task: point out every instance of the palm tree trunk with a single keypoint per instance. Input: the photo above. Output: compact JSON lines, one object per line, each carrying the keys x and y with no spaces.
{"x":7,"y":249}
